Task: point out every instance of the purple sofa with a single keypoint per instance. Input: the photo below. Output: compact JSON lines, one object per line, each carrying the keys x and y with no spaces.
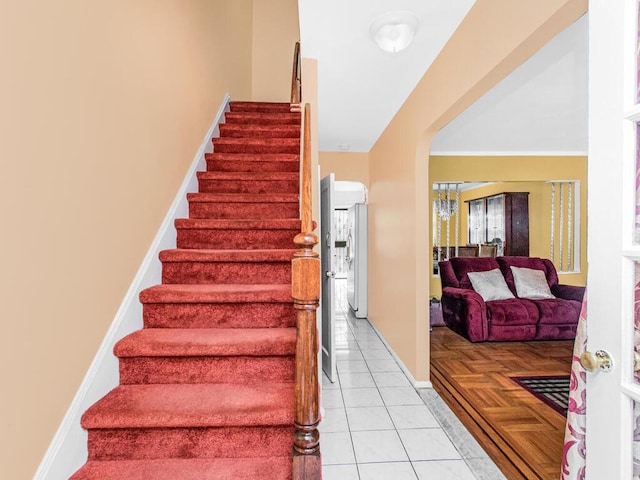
{"x":466,"y":313}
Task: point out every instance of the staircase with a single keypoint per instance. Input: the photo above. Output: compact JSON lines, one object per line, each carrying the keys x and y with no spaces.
{"x":207,"y":387}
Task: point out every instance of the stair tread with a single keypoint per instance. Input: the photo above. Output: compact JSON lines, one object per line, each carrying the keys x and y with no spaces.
{"x":235,"y":126}
{"x":252,"y":140}
{"x":289,"y":128}
{"x":204,"y":255}
{"x":254,"y":157}
{"x":192,"y":342}
{"x":285,"y":106}
{"x":258,"y":102}
{"x":274,"y":468}
{"x":277,"y":118}
{"x":248,"y":175}
{"x":217,"y":293}
{"x":193,"y":405}
{"x":244,"y":197}
{"x":224,"y":224}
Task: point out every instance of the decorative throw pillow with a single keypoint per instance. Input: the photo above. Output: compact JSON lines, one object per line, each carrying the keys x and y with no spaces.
{"x":531,"y":283}
{"x":490,"y":285}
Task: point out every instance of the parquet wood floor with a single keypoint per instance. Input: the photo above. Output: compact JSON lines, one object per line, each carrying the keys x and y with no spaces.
{"x":522,"y":434}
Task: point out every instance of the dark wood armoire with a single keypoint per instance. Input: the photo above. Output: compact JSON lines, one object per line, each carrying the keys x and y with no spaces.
{"x":503,"y":217}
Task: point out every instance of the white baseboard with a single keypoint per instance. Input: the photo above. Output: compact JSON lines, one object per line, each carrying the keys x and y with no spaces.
{"x":403,"y":367}
{"x":68,"y":449}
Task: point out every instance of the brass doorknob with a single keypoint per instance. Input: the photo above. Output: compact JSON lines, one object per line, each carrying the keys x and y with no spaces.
{"x":592,"y":362}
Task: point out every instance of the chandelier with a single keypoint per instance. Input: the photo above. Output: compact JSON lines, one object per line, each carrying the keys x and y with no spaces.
{"x":445,"y":206}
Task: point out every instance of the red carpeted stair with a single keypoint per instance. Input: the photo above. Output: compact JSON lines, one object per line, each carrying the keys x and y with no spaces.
{"x":206,"y":388}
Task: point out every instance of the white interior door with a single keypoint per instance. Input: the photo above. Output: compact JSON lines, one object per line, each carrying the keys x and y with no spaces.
{"x":327,"y":242}
{"x":613,"y":251}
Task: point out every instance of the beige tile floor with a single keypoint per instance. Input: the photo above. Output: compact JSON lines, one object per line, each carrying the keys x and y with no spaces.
{"x":377,"y":426}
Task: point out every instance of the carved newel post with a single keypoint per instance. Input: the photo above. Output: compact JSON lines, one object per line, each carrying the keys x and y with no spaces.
{"x":306,"y":295}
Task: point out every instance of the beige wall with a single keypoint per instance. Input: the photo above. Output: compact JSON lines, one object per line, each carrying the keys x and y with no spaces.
{"x":494,"y":38}
{"x":349,"y":166}
{"x":275,"y":32}
{"x":104,"y":105}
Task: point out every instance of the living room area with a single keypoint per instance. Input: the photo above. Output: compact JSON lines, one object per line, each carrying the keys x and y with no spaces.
{"x":478,"y":373}
{"x":477,"y":364}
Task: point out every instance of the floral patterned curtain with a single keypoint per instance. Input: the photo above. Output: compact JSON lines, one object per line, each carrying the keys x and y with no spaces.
{"x":636,"y":374}
{"x":574,"y":454}
{"x":637,"y":216}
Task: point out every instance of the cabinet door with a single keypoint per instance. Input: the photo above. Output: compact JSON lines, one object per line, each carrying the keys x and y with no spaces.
{"x":516,"y":225}
{"x":503,"y":220}
{"x":477,"y":222}
{"x":495,"y":218}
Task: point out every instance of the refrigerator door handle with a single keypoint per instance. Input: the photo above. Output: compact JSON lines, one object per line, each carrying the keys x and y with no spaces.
{"x":348,"y":254}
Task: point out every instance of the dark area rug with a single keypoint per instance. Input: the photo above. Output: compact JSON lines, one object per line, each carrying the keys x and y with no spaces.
{"x":554,"y":391}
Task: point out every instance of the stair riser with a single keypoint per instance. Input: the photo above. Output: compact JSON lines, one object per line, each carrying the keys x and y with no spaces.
{"x":153,"y":443}
{"x":288,"y":147}
{"x":254,"y":108}
{"x":247,"y":211}
{"x":218,"y":315}
{"x":257,"y":149}
{"x":257,"y":118}
{"x":226,"y":272}
{"x":273,"y":131}
{"x":241,"y":369}
{"x":255,"y":166}
{"x":278,"y":468}
{"x":235,"y":239}
{"x":248,"y":186}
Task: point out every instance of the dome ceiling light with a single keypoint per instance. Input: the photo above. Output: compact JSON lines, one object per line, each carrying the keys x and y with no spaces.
{"x":394,"y":31}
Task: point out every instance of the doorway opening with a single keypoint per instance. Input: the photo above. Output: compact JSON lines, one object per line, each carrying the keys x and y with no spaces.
{"x":490,"y":143}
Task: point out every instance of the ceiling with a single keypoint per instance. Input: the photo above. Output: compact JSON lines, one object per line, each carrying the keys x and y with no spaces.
{"x":360,"y":87}
{"x":540,"y":108}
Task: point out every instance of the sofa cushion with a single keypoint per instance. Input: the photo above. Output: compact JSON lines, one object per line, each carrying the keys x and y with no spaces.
{"x":558,"y":311}
{"x":447,"y":275}
{"x":548,"y":331}
{"x":515,"y":311}
{"x":463,"y":265}
{"x":530,"y":283}
{"x":534,"y":263}
{"x":512,"y":333}
{"x":490,"y":285}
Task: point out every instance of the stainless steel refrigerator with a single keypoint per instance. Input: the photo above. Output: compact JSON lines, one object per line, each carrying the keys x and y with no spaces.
{"x":357,"y":260}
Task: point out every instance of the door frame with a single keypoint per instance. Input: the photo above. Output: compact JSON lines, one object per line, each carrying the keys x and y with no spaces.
{"x":613,"y":113}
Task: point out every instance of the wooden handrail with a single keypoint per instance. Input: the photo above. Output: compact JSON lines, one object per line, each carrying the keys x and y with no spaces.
{"x":305,"y":175}
{"x":296,"y":80}
{"x":306,"y":296}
